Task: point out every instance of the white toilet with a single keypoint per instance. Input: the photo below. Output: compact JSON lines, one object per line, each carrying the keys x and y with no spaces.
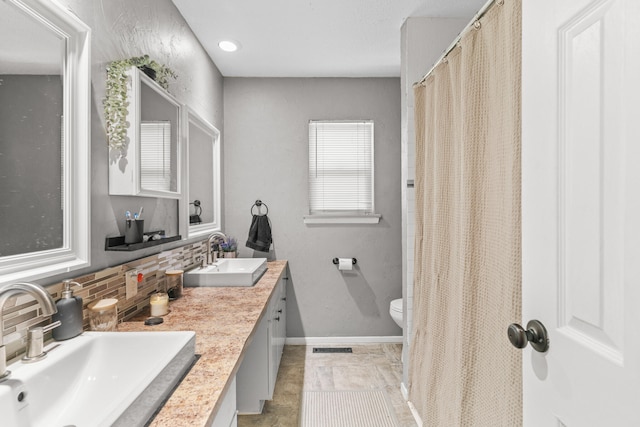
{"x":395,"y":310}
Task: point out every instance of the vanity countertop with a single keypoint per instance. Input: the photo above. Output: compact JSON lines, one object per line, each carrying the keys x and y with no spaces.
{"x":224,"y":320}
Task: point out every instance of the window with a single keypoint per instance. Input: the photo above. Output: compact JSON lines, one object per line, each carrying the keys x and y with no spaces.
{"x":155,"y":155}
{"x":341,"y":172}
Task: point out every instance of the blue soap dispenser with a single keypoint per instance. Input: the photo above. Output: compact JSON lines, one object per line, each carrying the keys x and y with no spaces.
{"x":69,"y":314}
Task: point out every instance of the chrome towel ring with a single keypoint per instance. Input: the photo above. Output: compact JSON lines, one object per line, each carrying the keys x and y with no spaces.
{"x":258,"y":204}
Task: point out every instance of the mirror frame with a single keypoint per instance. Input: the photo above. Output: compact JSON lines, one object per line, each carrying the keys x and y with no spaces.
{"x":127,"y":182}
{"x":197,"y":230}
{"x":76,"y":247}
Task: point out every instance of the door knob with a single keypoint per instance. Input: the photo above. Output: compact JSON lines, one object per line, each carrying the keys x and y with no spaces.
{"x":536,"y":334}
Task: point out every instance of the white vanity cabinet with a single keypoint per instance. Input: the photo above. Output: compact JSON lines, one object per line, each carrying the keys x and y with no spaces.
{"x":256,"y":378}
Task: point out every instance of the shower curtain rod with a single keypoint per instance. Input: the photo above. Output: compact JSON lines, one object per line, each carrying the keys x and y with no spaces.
{"x":471,"y":23}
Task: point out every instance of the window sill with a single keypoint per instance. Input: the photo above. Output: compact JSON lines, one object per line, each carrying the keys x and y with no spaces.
{"x":342,"y":219}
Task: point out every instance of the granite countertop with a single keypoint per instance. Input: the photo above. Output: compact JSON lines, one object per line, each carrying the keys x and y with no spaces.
{"x":224,"y":320}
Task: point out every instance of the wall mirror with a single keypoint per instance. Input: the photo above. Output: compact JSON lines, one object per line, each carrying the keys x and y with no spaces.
{"x":44,"y":140}
{"x":150,"y":166}
{"x":202,"y":198}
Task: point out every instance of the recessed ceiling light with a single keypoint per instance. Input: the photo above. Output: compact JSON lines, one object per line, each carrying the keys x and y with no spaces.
{"x":229,"y":45}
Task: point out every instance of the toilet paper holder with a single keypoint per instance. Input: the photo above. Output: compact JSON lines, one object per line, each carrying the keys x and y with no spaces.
{"x":336,"y":260}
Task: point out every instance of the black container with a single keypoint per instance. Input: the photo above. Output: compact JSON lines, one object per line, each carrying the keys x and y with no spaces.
{"x":69,"y":314}
{"x":133,"y":231}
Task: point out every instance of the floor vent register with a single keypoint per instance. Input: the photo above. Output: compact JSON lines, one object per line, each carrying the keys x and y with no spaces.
{"x":332,"y":350}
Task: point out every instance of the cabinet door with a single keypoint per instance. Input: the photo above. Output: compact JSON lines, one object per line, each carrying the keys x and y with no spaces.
{"x":253,"y":375}
{"x":274,"y":327}
{"x":152,"y":156}
{"x":226,"y":415}
{"x":277,"y":333}
{"x":282,"y":314}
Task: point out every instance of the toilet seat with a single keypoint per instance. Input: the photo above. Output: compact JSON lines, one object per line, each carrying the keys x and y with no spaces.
{"x":396,"y":305}
{"x":395,"y":310}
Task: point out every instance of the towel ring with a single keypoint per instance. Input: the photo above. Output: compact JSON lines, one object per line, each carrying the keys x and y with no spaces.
{"x":257,"y":204}
{"x":197,"y":206}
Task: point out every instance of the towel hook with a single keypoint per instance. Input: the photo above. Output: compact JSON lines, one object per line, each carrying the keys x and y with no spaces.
{"x":257,"y":204}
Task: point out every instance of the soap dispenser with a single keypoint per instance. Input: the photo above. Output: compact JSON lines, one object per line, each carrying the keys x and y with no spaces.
{"x":69,"y":314}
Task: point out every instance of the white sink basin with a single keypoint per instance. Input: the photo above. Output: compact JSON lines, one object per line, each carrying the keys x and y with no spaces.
{"x":97,"y":379}
{"x":228,"y":272}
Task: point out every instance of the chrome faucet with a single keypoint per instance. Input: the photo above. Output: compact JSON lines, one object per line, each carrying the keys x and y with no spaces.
{"x":216,"y":236}
{"x":47,"y":306}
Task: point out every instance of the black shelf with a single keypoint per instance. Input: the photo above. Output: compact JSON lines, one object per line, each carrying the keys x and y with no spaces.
{"x":117,"y":243}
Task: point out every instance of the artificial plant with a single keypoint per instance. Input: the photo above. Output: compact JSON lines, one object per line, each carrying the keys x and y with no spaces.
{"x":116,"y":104}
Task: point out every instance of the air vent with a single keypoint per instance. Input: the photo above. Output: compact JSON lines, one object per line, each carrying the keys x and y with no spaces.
{"x":332,"y":350}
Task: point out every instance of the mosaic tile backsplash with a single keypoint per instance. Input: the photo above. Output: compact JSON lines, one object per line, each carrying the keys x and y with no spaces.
{"x":22,"y":312}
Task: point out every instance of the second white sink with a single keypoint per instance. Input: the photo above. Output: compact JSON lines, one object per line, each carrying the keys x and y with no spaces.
{"x":228,"y":272}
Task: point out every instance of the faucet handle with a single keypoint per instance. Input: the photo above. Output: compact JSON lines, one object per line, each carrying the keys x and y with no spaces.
{"x":51,"y":326}
{"x":35,"y":342}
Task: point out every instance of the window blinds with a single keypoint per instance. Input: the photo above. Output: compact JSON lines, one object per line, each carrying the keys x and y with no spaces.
{"x":155,"y":155}
{"x":341,"y":167}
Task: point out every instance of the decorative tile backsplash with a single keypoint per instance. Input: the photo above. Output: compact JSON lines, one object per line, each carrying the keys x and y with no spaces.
{"x":22,"y":313}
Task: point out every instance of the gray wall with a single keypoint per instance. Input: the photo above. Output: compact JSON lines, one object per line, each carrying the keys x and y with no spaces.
{"x":122,"y":29}
{"x":265,"y":156}
{"x":266,"y":149}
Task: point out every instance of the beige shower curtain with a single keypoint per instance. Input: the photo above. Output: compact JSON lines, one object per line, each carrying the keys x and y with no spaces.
{"x":463,"y":370}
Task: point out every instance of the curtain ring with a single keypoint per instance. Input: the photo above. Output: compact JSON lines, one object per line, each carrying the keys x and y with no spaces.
{"x":477,"y":25}
{"x":500,"y":2}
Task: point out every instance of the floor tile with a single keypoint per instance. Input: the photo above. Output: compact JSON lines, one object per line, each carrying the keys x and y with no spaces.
{"x":376,"y":366}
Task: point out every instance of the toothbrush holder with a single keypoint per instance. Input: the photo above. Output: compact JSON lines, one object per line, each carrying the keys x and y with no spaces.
{"x":133,"y":231}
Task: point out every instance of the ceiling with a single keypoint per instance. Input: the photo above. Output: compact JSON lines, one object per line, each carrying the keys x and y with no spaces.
{"x":311,"y":38}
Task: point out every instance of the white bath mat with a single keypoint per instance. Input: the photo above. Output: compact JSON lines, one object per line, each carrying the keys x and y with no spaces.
{"x":361,"y":408}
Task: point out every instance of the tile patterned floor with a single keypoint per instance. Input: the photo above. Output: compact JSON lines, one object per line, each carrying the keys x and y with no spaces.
{"x":368,"y":367}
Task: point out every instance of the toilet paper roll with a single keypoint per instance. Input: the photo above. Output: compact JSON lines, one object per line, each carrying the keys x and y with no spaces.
{"x":345,"y":264}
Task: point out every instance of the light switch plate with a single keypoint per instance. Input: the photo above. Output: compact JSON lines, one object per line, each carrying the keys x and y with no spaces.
{"x":132,"y":283}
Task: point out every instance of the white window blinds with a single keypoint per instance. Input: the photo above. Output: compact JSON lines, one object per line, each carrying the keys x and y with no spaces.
{"x":155,"y":155}
{"x":341,"y":167}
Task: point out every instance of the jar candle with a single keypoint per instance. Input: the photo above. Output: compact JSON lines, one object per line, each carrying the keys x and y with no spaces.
{"x":159,"y":304}
{"x":103,"y":314}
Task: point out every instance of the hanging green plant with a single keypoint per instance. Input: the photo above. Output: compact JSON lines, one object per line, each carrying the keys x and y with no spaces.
{"x":116,"y":104}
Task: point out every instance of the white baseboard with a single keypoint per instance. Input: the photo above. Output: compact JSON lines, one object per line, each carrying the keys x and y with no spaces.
{"x":343,"y":340}
{"x":404,"y":391}
{"x":415,"y":414}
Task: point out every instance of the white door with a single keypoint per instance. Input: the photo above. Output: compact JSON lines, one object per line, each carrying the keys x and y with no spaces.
{"x":581,"y":211}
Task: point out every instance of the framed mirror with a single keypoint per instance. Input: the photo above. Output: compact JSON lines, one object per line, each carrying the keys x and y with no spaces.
{"x":44,"y":140}
{"x":151,"y":164}
{"x":202,"y":196}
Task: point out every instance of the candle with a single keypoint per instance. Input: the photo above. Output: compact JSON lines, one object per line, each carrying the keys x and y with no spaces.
{"x":159,"y":304}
